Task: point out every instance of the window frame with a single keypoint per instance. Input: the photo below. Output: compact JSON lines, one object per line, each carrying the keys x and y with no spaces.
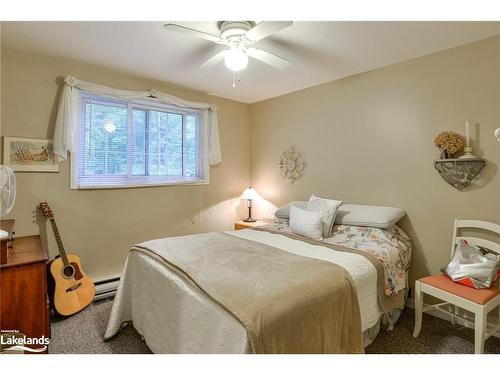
{"x":108,"y":181}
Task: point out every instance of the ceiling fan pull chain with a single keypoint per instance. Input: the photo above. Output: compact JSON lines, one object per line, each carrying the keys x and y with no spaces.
{"x":236,"y":79}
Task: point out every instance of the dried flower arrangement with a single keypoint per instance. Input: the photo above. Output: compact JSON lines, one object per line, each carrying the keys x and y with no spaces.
{"x":449,"y":143}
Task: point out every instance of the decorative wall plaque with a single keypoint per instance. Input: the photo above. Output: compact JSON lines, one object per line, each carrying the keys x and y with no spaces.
{"x":459,"y":172}
{"x":291,"y":165}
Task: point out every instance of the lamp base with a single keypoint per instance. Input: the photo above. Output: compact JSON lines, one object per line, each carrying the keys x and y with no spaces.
{"x":249,"y":219}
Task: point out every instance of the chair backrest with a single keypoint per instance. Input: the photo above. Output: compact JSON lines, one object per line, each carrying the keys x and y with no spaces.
{"x":475,"y":224}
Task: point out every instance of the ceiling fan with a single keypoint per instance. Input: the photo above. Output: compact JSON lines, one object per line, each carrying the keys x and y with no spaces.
{"x":239,"y":36}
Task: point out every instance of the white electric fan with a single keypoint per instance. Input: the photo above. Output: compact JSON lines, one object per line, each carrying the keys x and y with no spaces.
{"x":7,"y":192}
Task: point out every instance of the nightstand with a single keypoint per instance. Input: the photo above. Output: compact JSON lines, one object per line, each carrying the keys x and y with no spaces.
{"x":244,"y":225}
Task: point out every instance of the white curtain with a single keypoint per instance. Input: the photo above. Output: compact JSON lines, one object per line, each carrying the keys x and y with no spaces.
{"x":65,"y":128}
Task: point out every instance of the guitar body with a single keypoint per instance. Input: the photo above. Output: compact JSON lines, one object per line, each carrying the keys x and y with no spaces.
{"x":74,"y":290}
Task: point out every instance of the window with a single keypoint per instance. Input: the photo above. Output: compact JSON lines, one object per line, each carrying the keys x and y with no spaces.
{"x":137,"y":143}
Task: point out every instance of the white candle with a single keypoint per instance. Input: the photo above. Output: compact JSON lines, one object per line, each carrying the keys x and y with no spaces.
{"x":467,"y":139}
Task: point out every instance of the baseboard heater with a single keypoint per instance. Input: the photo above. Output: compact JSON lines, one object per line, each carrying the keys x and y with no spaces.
{"x":105,"y":287}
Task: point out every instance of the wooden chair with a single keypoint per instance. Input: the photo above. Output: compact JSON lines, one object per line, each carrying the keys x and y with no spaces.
{"x":478,"y":301}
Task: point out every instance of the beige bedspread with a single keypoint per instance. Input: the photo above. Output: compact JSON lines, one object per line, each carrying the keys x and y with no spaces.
{"x":287,"y":303}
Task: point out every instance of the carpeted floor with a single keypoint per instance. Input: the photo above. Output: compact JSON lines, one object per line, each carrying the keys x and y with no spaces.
{"x":83,"y":333}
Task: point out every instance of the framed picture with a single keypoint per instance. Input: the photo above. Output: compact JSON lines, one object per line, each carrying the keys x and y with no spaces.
{"x":29,"y":154}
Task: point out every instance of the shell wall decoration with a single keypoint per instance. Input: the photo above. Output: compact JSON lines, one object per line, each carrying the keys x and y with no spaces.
{"x":291,"y":165}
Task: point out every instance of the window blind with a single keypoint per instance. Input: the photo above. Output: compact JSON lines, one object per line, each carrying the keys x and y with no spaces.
{"x":124,"y":143}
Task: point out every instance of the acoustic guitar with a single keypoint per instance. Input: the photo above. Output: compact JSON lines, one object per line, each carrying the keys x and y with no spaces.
{"x":74,"y":290}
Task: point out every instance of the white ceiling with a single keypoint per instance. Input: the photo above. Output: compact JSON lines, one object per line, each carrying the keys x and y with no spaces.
{"x":320,"y":51}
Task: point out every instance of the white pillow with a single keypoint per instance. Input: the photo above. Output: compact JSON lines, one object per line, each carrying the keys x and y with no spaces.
{"x":284,"y":212}
{"x":328,"y":209}
{"x":306,"y":223}
{"x":369,"y":216}
{"x":355,"y":214}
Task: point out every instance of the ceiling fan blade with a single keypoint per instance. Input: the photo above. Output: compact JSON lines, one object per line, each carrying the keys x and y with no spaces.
{"x":192,"y":32}
{"x":269,"y":58}
{"x":214,"y":60}
{"x":266,"y":28}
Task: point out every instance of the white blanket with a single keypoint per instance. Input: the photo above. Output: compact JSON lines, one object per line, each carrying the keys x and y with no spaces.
{"x":175,"y":317}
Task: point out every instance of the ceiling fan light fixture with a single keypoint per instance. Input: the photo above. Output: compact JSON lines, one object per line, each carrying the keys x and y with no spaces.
{"x":236,"y":59}
{"x":239,"y":36}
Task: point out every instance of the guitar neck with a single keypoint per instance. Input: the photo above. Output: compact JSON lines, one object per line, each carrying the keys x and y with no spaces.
{"x":60,"y":245}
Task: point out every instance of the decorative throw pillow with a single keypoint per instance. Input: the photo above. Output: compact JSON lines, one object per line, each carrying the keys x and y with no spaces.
{"x":306,"y":223}
{"x":328,"y":209}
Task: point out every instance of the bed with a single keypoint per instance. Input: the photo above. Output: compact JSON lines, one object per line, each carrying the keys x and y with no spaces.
{"x":175,"y":315}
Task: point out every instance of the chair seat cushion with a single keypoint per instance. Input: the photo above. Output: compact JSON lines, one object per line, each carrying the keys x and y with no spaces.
{"x":479,"y":296}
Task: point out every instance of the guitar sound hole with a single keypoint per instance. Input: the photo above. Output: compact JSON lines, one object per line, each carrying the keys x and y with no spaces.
{"x":68,"y":271}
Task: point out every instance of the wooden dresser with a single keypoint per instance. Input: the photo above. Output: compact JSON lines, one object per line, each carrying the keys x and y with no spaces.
{"x":23,"y":289}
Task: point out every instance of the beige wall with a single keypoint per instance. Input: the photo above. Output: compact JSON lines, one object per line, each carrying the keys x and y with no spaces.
{"x":101,"y":225}
{"x":369,"y":139}
{"x":366,"y":139}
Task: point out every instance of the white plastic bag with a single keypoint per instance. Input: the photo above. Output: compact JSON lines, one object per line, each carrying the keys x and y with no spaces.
{"x":473,"y":266}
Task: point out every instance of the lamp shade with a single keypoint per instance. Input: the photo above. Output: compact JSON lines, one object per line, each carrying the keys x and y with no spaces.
{"x":250,"y":193}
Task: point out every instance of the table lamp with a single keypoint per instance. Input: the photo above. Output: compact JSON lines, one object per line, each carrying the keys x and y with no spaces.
{"x":249,"y":194}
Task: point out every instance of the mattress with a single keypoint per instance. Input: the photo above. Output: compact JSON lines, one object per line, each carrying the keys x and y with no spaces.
{"x":173,"y":316}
